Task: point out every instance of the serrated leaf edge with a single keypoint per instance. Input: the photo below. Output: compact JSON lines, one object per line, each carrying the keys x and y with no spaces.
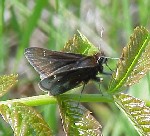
{"x":133,"y":63}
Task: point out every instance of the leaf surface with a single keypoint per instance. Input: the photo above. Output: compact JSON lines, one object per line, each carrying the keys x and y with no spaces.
{"x":81,"y":45}
{"x":24,"y":120}
{"x":77,"y":120}
{"x":134,"y":62}
{"x":136,"y":110}
{"x":6,"y":82}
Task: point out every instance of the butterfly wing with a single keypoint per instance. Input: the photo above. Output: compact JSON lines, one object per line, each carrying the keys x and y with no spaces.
{"x":61,"y":71}
{"x":65,"y":81}
{"x":47,"y":62}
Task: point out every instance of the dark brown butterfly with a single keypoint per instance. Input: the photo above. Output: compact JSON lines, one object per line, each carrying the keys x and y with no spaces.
{"x":61,"y":72}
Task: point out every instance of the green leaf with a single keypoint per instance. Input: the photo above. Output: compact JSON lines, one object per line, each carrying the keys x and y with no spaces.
{"x":77,"y":120}
{"x":81,"y":45}
{"x":136,"y":110}
{"x":6,"y":82}
{"x":134,"y":62}
{"x":24,"y":120}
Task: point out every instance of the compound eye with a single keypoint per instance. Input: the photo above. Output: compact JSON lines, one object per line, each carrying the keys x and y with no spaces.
{"x":102,"y":60}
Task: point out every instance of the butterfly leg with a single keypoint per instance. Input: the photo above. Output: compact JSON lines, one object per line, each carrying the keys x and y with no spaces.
{"x":81,"y":93}
{"x":99,"y":80}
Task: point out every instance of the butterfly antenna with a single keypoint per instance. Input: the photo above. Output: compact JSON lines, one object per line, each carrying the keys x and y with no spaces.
{"x":107,"y":63}
{"x":108,"y":67}
{"x":112,"y":58}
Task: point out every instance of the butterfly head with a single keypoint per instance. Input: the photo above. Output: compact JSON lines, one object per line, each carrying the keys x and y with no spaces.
{"x":102,"y":60}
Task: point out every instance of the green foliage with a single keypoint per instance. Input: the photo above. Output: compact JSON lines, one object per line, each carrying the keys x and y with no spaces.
{"x":77,"y":120}
{"x":81,"y":45}
{"x":24,"y":120}
{"x":134,"y":62}
{"x":20,"y":19}
{"x":6,"y":82}
{"x":2,"y":46}
{"x":132,"y":66}
{"x":136,"y":110}
{"x":34,"y":17}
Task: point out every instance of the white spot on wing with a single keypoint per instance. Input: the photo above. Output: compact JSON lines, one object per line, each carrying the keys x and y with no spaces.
{"x":44,"y":53}
{"x":54,"y":76}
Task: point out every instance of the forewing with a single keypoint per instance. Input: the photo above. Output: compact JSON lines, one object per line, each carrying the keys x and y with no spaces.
{"x":65,"y":81}
{"x":47,"y":62}
{"x":85,"y":62}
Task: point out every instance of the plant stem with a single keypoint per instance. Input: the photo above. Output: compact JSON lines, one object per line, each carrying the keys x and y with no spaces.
{"x":33,"y":101}
{"x":46,"y":99}
{"x":88,"y":97}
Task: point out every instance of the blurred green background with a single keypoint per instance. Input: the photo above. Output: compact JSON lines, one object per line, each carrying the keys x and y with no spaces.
{"x":108,"y":24}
